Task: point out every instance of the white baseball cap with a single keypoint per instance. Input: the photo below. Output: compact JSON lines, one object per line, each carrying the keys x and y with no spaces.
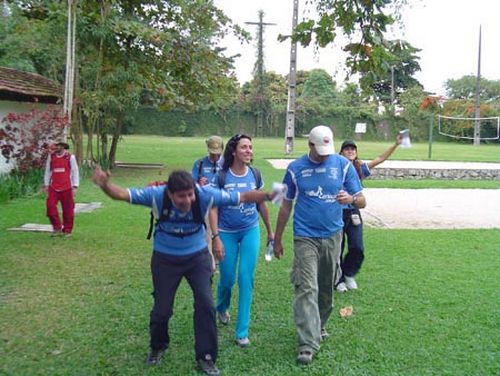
{"x":322,"y":139}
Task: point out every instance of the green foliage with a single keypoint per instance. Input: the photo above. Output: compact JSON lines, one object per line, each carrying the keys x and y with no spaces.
{"x":465,"y":88}
{"x":367,"y":21}
{"x":400,"y":67}
{"x":17,"y":184}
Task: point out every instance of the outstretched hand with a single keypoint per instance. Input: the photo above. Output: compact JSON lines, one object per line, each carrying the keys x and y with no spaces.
{"x":100,"y":177}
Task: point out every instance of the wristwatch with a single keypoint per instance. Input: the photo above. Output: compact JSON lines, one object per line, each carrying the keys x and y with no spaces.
{"x":214,"y":236}
{"x":354,"y":199}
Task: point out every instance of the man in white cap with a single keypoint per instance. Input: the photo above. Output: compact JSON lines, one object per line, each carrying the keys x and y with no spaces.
{"x":321,"y":182}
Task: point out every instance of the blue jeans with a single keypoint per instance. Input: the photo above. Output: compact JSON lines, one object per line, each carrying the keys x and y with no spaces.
{"x":353,"y":235}
{"x":244,"y":244}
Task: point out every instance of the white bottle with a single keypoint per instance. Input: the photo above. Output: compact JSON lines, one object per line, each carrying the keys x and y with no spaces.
{"x":269,"y":250}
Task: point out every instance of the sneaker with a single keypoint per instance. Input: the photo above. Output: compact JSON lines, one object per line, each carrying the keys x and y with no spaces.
{"x":305,"y":357}
{"x":56,"y":233}
{"x":207,"y":366}
{"x":243,"y":342}
{"x":324,"y":334}
{"x":154,"y":357}
{"x":224,"y":317}
{"x":350,"y":283}
{"x":341,"y":287}
{"x":67,"y":234}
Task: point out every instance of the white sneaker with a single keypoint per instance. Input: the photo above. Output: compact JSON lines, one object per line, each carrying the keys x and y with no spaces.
{"x":243,"y":342}
{"x":341,"y":287}
{"x":350,"y":283}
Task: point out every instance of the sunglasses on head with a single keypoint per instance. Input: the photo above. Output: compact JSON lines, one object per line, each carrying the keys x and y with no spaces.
{"x":236,"y":138}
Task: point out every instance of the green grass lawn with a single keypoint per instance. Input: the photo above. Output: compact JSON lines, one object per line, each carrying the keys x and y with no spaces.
{"x":428,"y":302}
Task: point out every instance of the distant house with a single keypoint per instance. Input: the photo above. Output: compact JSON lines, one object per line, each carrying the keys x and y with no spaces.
{"x":22,"y":91}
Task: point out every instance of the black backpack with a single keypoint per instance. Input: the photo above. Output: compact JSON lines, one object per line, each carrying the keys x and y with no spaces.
{"x":165,"y":212}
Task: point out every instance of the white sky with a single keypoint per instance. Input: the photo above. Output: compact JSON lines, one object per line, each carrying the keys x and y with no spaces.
{"x":447,"y":32}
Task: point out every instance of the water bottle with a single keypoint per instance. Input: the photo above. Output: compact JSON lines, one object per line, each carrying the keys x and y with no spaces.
{"x":269,"y":250}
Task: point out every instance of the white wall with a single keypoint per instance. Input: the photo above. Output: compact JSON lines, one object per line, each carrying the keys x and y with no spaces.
{"x":7,"y":107}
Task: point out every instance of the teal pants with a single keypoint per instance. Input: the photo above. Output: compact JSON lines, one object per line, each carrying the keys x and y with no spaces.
{"x":241,"y":255}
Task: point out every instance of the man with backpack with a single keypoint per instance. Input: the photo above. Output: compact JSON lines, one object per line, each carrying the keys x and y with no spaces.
{"x":205,"y":169}
{"x":180,"y":250}
{"x":61,"y":181}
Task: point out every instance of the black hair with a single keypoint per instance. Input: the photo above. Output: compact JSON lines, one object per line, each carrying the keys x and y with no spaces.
{"x":180,"y":180}
{"x":231,"y":148}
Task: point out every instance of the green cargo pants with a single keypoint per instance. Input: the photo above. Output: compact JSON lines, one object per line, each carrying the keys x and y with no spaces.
{"x":316,"y":266}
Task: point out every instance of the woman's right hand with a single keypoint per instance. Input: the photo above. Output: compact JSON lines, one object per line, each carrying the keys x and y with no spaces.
{"x":218,"y":248}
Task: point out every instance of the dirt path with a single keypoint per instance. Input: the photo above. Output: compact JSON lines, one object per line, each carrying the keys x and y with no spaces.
{"x":432,"y":208}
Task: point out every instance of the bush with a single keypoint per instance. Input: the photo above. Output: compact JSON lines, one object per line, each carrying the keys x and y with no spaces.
{"x":20,"y":184}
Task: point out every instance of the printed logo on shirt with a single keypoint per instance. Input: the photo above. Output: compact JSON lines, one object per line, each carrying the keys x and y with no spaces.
{"x":306,"y":173}
{"x":334,"y":173}
{"x":321,"y":195}
{"x":246,"y":210}
{"x":59,"y":169}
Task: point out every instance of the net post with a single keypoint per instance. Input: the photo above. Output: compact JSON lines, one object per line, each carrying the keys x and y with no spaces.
{"x":431,"y":127}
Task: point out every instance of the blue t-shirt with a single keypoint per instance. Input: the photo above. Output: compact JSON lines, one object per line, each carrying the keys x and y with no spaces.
{"x":314,"y":186}
{"x":245,"y":215}
{"x":365,"y":170}
{"x":180,"y":223}
{"x":209,"y":170}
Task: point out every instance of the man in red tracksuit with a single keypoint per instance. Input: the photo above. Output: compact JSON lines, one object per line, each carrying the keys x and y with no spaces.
{"x":61,"y":181}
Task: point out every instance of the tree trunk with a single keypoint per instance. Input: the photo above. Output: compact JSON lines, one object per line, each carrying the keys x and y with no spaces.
{"x":116,"y":137}
{"x":77,"y":126}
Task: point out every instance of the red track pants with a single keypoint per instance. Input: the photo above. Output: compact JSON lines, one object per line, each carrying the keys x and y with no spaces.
{"x":68,"y":209}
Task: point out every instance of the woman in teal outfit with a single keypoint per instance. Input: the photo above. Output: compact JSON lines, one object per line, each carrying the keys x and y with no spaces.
{"x":236,"y":235}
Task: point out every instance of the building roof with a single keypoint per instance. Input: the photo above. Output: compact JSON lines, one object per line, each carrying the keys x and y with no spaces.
{"x":21,"y":86}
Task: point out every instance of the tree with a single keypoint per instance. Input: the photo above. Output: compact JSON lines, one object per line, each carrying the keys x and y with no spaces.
{"x":398,"y":72}
{"x":125,"y":47}
{"x":465,"y":88}
{"x":365,"y":20}
{"x":319,"y":90}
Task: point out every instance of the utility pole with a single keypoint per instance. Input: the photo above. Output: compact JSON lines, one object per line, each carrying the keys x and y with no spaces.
{"x":477,"y":124}
{"x":393,"y":96}
{"x":292,"y":81}
{"x":259,"y":72}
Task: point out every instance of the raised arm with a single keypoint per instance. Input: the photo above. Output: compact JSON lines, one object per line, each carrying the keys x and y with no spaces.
{"x":101,"y":179}
{"x":386,"y":154}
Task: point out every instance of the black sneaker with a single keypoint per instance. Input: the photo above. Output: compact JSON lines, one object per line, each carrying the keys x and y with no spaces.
{"x":207,"y":366}
{"x":154,"y":357}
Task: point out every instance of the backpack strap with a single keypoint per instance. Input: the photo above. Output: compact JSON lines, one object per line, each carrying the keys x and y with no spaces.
{"x":257,"y":175}
{"x":165,"y":212}
{"x":200,"y":167}
{"x":167,"y":205}
{"x":221,"y":178}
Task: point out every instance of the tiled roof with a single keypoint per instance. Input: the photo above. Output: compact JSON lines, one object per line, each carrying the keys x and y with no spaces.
{"x":24,"y":86}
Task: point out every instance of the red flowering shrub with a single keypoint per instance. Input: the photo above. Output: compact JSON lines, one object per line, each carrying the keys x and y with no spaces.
{"x":27,"y":137}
